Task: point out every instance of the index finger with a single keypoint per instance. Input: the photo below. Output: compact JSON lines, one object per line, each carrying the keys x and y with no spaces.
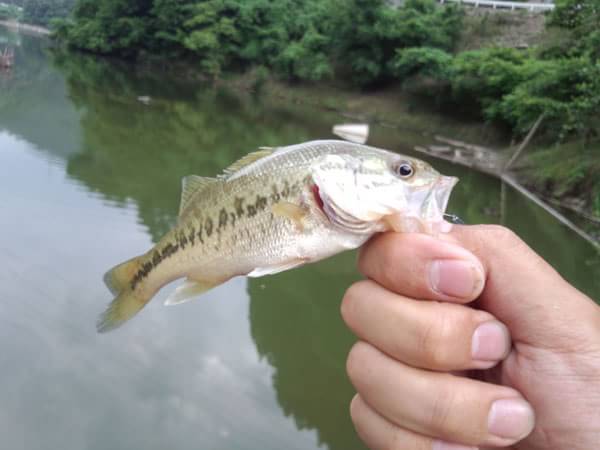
{"x":421,"y":266}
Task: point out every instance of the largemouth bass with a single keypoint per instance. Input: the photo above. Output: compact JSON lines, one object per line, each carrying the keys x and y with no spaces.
{"x":276,"y":209}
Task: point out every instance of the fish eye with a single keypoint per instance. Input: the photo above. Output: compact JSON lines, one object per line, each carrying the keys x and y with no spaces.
{"x":404,"y":170}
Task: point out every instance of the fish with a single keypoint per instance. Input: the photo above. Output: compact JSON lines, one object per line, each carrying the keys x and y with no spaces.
{"x":276,"y":209}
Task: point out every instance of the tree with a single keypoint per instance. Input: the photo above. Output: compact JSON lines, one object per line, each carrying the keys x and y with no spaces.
{"x":582,"y":18}
{"x":373,"y":32}
{"x":109,"y":27}
{"x":41,"y":12}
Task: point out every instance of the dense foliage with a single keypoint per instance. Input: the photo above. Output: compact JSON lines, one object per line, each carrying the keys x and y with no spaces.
{"x":41,"y":12}
{"x":297,"y":40}
{"x":369,"y":42}
{"x":560,"y":82}
{"x":10,"y":12}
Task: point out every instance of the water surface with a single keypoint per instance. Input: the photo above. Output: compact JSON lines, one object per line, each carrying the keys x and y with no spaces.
{"x":90,"y":176}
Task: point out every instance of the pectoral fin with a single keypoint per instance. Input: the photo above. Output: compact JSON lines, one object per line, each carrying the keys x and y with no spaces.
{"x":188,"y":291}
{"x":291,"y":211}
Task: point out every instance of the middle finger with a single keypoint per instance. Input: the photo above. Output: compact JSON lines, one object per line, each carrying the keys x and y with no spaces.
{"x":430,"y":335}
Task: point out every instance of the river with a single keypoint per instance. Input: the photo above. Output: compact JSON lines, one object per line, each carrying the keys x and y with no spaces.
{"x":90,"y":176}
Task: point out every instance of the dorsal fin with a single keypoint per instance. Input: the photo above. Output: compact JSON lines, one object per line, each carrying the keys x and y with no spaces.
{"x":190,"y":185}
{"x":247,"y":160}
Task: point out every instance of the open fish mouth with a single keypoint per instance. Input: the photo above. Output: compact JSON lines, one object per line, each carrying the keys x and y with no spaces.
{"x":441,"y":192}
{"x":427,"y":215}
{"x":434,"y":208}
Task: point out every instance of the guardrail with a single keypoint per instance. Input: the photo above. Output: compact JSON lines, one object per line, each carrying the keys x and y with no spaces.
{"x":504,"y":5}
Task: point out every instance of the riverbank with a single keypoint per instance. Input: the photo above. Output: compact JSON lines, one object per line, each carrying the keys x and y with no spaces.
{"x":24,"y":27}
{"x":459,"y":140}
{"x":389,"y":107}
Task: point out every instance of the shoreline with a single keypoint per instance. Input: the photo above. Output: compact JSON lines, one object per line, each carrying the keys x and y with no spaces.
{"x":491,"y":160}
{"x":395,"y":109}
{"x":28,"y":28}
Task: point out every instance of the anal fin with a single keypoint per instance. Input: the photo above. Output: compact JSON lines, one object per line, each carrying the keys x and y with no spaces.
{"x":189,"y":290}
{"x":276,"y":268}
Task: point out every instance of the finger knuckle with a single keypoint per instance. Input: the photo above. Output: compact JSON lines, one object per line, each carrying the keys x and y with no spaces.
{"x":381,"y":267}
{"x":356,"y":362}
{"x":363,"y":257}
{"x":355,"y":410}
{"x":389,"y":263}
{"x":357,"y":415}
{"x":441,"y":411}
{"x":500,"y":235}
{"x":435,"y":334}
{"x":402,"y":439}
{"x":397,"y":440}
{"x":351,"y":299}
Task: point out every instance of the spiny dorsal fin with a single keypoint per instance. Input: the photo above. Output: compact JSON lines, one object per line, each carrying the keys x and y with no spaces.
{"x":247,"y":160}
{"x":190,"y":185}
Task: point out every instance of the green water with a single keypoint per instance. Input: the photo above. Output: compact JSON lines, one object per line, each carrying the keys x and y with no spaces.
{"x":90,"y":176}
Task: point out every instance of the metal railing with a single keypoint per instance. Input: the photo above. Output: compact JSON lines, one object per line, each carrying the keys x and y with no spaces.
{"x":494,"y":4}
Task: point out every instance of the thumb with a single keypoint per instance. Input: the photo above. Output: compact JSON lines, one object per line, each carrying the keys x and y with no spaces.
{"x":525,"y":292}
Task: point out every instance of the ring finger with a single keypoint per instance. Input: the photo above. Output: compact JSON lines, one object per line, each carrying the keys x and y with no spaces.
{"x":439,"y":405}
{"x":378,"y":433}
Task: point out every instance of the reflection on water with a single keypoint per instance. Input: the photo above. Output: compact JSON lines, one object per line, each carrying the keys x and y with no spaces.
{"x":90,"y":176}
{"x":294,"y":320}
{"x":136,"y":151}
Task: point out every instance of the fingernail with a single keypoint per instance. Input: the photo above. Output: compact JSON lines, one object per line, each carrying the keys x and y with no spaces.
{"x":441,"y":445}
{"x":456,"y":278}
{"x":491,"y":342}
{"x":510,"y":419}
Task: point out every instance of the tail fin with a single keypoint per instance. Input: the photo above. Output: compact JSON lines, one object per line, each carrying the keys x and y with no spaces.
{"x":127,"y":302}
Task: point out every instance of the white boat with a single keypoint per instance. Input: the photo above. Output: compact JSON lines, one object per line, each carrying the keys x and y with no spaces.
{"x":353,"y":132}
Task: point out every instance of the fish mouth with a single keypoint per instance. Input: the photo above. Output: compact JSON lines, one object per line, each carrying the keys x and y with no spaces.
{"x":428,"y":216}
{"x":424,"y":212}
{"x":434,"y":208}
{"x":441,"y":192}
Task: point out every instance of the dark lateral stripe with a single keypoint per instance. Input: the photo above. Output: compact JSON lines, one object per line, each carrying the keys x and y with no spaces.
{"x":157,"y":257}
{"x":242,"y":207}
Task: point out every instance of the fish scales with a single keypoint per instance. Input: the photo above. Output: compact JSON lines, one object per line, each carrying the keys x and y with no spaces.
{"x":280,"y":177}
{"x":290,"y":206}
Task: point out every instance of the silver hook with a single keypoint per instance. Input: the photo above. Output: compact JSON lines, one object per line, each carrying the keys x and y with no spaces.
{"x":453,"y":218}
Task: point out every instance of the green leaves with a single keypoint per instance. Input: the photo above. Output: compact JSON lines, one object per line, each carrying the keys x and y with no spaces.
{"x":374,"y":34}
{"x":296,"y":40}
{"x":210,"y":33}
{"x":424,"y":61}
{"x":109,"y":27}
{"x":41,"y":12}
{"x":582,"y":19}
{"x":9,"y":12}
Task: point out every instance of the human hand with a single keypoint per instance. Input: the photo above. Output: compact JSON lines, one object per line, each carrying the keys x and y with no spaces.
{"x":432,"y":373}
